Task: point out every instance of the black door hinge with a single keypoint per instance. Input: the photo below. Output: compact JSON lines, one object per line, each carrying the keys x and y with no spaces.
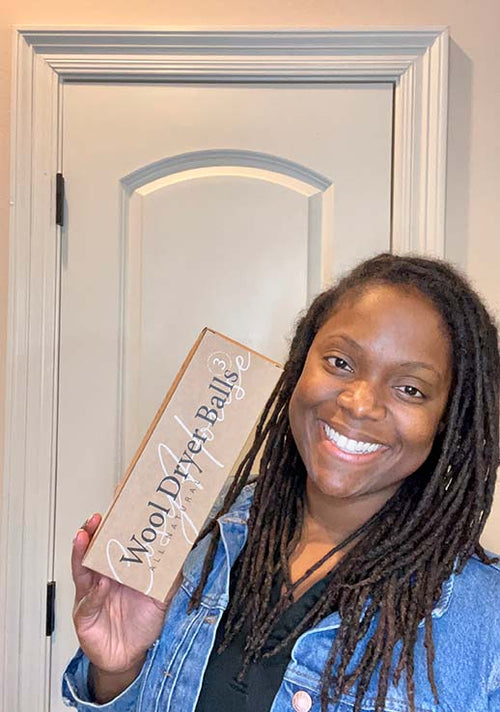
{"x":51,"y":614}
{"x":59,"y":199}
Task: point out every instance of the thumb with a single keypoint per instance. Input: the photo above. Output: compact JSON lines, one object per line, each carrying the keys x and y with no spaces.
{"x":91,"y":604}
{"x":83,"y":577}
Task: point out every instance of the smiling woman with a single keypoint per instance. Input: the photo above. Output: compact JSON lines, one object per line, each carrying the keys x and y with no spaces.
{"x":369,"y":401}
{"x":349,"y":574}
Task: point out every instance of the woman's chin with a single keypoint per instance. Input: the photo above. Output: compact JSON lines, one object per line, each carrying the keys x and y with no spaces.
{"x":335,"y":487}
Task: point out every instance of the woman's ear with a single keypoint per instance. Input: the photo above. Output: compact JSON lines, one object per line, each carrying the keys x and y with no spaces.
{"x":441,"y":427}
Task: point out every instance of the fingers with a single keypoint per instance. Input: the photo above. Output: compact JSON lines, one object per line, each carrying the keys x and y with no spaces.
{"x":92,"y":523}
{"x":84,"y":578}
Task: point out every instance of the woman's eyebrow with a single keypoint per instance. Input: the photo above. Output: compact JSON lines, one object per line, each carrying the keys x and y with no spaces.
{"x":420,"y":364}
{"x":405,"y":364}
{"x":344,"y":337}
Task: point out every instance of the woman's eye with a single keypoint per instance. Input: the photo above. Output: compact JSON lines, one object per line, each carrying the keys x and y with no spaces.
{"x":339,"y":363}
{"x":410,"y":391}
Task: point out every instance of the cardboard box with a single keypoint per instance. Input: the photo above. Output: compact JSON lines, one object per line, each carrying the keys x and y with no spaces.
{"x":182,"y":464}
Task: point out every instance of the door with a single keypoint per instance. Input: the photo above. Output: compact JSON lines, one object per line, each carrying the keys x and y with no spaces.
{"x":226,"y":206}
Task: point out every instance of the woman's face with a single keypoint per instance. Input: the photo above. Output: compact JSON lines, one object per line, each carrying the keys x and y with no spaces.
{"x":370,"y":399}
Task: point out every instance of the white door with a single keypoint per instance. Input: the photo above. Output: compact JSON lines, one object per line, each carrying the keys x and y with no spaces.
{"x":227,"y":206}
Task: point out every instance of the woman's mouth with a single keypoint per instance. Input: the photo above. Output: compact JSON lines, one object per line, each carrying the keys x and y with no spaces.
{"x":350,"y":446}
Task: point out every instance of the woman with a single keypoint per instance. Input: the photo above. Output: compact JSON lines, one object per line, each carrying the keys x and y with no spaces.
{"x":358,"y":581}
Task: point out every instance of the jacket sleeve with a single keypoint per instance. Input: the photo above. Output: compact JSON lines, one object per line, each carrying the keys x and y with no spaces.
{"x":75,"y":692}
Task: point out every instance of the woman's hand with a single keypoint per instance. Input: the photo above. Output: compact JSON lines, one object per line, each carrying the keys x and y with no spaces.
{"x":114,"y":624}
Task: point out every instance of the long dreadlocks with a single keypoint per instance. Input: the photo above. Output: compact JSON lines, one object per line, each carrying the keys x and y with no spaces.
{"x":391,"y":578}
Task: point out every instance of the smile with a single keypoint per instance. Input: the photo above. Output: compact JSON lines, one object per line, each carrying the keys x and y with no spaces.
{"x":347,"y":445}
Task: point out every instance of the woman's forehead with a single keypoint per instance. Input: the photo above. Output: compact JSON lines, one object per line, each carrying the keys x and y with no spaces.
{"x":372,"y":292}
{"x":384,"y":300}
{"x":390,"y":318}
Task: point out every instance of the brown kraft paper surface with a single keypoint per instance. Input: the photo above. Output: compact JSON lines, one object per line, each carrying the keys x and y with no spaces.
{"x":182,"y":464}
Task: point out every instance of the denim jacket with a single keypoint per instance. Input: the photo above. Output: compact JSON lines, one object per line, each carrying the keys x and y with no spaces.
{"x":466,"y":629}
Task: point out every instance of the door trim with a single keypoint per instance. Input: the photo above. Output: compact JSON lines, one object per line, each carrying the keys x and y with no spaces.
{"x":415,"y":61}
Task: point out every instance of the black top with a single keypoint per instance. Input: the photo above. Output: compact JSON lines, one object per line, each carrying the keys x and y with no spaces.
{"x":221,"y":689}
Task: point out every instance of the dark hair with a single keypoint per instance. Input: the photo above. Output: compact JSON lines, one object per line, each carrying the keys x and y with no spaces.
{"x":392,"y":576}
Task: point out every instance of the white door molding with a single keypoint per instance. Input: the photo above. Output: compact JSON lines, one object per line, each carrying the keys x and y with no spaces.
{"x":415,"y":61}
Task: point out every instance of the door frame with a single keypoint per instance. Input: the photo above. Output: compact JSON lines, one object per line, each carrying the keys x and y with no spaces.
{"x":415,"y":61}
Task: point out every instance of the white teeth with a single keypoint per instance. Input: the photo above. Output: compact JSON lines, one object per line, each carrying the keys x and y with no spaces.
{"x":358,"y":447}
{"x":342,"y":442}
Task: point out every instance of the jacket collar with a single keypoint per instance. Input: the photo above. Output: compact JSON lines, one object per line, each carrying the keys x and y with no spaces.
{"x":233,"y":527}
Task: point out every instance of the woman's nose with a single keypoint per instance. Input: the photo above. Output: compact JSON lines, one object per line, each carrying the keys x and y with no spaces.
{"x":361,"y":400}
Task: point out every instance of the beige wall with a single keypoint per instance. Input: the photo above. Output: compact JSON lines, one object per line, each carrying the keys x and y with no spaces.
{"x":473,"y":200}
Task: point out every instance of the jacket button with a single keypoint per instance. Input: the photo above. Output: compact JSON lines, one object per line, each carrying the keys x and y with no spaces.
{"x":301,"y":701}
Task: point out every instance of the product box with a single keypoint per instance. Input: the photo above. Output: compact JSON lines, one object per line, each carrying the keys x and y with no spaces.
{"x":182,"y":464}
